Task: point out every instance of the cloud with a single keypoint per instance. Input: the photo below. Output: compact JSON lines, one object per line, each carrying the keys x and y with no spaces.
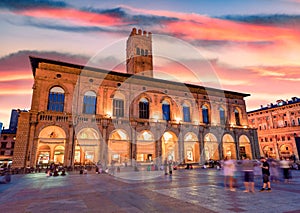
{"x":29,"y":4}
{"x":269,"y":19}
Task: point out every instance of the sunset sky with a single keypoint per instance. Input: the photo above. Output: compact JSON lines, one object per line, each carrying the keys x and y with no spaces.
{"x":252,"y":46}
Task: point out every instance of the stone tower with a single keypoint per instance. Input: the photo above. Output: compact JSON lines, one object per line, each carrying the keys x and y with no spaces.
{"x":139,"y":53}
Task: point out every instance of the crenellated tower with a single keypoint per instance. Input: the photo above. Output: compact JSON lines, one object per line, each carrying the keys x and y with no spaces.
{"x":139,"y":53}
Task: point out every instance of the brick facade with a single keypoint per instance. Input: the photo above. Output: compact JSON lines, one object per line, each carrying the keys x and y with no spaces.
{"x":129,"y":124}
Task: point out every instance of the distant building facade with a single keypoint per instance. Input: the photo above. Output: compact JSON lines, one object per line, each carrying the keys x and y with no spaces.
{"x":82,"y":115}
{"x":8,"y":137}
{"x":278,"y":127}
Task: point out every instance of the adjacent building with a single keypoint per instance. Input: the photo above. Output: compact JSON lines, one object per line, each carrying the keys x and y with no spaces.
{"x":8,"y":138}
{"x":278,"y":128}
{"x":83,"y":115}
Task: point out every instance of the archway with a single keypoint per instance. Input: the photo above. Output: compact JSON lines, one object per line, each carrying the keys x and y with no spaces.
{"x":269,"y":151}
{"x":245,"y":147}
{"x":285,"y":151}
{"x":145,"y":147}
{"x":59,"y":152}
{"x":229,"y":146}
{"x":211,"y":147}
{"x":43,"y":156}
{"x":191,"y":148}
{"x":49,"y":138}
{"x":118,"y":147}
{"x":170,"y":146}
{"x":89,"y":142}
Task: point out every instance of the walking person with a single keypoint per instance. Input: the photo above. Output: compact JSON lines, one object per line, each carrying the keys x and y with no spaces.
{"x":248,"y":168}
{"x":285,"y":166}
{"x":266,"y":174}
{"x":229,"y":169}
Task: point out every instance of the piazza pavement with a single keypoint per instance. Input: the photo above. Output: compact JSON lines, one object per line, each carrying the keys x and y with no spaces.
{"x":196,"y":190}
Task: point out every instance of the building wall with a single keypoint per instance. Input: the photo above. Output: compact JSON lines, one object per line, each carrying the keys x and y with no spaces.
{"x":72,"y":136}
{"x":278,"y":126}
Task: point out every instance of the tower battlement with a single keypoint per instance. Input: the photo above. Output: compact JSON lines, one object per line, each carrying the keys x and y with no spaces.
{"x":134,"y":32}
{"x":139,"y":53}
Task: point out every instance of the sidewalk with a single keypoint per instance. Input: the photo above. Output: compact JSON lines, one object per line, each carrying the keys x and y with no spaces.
{"x":195,"y":190}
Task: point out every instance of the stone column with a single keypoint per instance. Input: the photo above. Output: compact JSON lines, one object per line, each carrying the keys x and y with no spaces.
{"x":237,"y":144}
{"x":133,"y":142}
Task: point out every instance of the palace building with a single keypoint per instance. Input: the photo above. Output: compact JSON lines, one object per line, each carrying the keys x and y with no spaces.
{"x":278,"y":128}
{"x":82,"y":115}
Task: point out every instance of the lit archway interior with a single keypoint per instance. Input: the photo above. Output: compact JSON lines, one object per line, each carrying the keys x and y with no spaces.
{"x":286,"y":151}
{"x":145,"y":147}
{"x":269,"y":151}
{"x":43,"y":156}
{"x":170,"y":146}
{"x":118,"y":147}
{"x":245,"y":147}
{"x":211,"y":147}
{"x":59,"y":152}
{"x":89,"y":142}
{"x":229,"y":149}
{"x":49,"y":138}
{"x":191,"y":148}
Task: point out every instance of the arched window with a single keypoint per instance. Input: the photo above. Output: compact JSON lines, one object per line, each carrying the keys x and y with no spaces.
{"x":222,"y":115}
{"x":186,"y":113}
{"x":118,"y":108}
{"x":89,"y":102}
{"x":144,"y":108}
{"x":142,"y":52}
{"x":237,"y":117}
{"x":138,"y":51}
{"x":56,"y":99}
{"x":205,"y":114}
{"x":166,"y":110}
{"x":146,"y":52}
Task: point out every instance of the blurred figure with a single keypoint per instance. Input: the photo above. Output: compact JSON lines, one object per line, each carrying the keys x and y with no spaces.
{"x":274,"y":171}
{"x":265,"y":167}
{"x":229,"y":170}
{"x":285,"y":166}
{"x":248,"y":169}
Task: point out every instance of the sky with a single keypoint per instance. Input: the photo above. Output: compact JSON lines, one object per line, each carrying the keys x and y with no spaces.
{"x":252,"y":46}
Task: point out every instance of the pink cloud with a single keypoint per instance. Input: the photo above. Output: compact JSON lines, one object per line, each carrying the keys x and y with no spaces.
{"x":83,"y":17}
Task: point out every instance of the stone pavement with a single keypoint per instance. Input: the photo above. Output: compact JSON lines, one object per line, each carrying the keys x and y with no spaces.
{"x":195,"y":190}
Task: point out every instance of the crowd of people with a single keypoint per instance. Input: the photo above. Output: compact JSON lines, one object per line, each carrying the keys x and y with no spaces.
{"x":271,"y":170}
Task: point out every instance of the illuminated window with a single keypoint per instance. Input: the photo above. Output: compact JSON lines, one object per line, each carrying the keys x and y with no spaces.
{"x":89,"y":103}
{"x":186,"y":113}
{"x":144,"y":108}
{"x":205,"y":114}
{"x":237,"y":117}
{"x":166,"y":110}
{"x":118,"y":108}
{"x":56,"y":99}
{"x":222,"y":115}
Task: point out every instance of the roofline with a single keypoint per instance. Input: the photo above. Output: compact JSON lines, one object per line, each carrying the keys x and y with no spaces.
{"x":36,"y":60}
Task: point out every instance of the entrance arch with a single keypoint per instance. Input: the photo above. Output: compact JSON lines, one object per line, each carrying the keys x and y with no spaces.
{"x":285,"y":151}
{"x":229,"y":147}
{"x":89,"y":142}
{"x":211,"y":147}
{"x":43,"y":155}
{"x":145,"y":147}
{"x":170,"y":146}
{"x":245,"y":147}
{"x":269,"y":151}
{"x":191,"y":148}
{"x":49,"y":138}
{"x":59,"y":152}
{"x":118,"y":147}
